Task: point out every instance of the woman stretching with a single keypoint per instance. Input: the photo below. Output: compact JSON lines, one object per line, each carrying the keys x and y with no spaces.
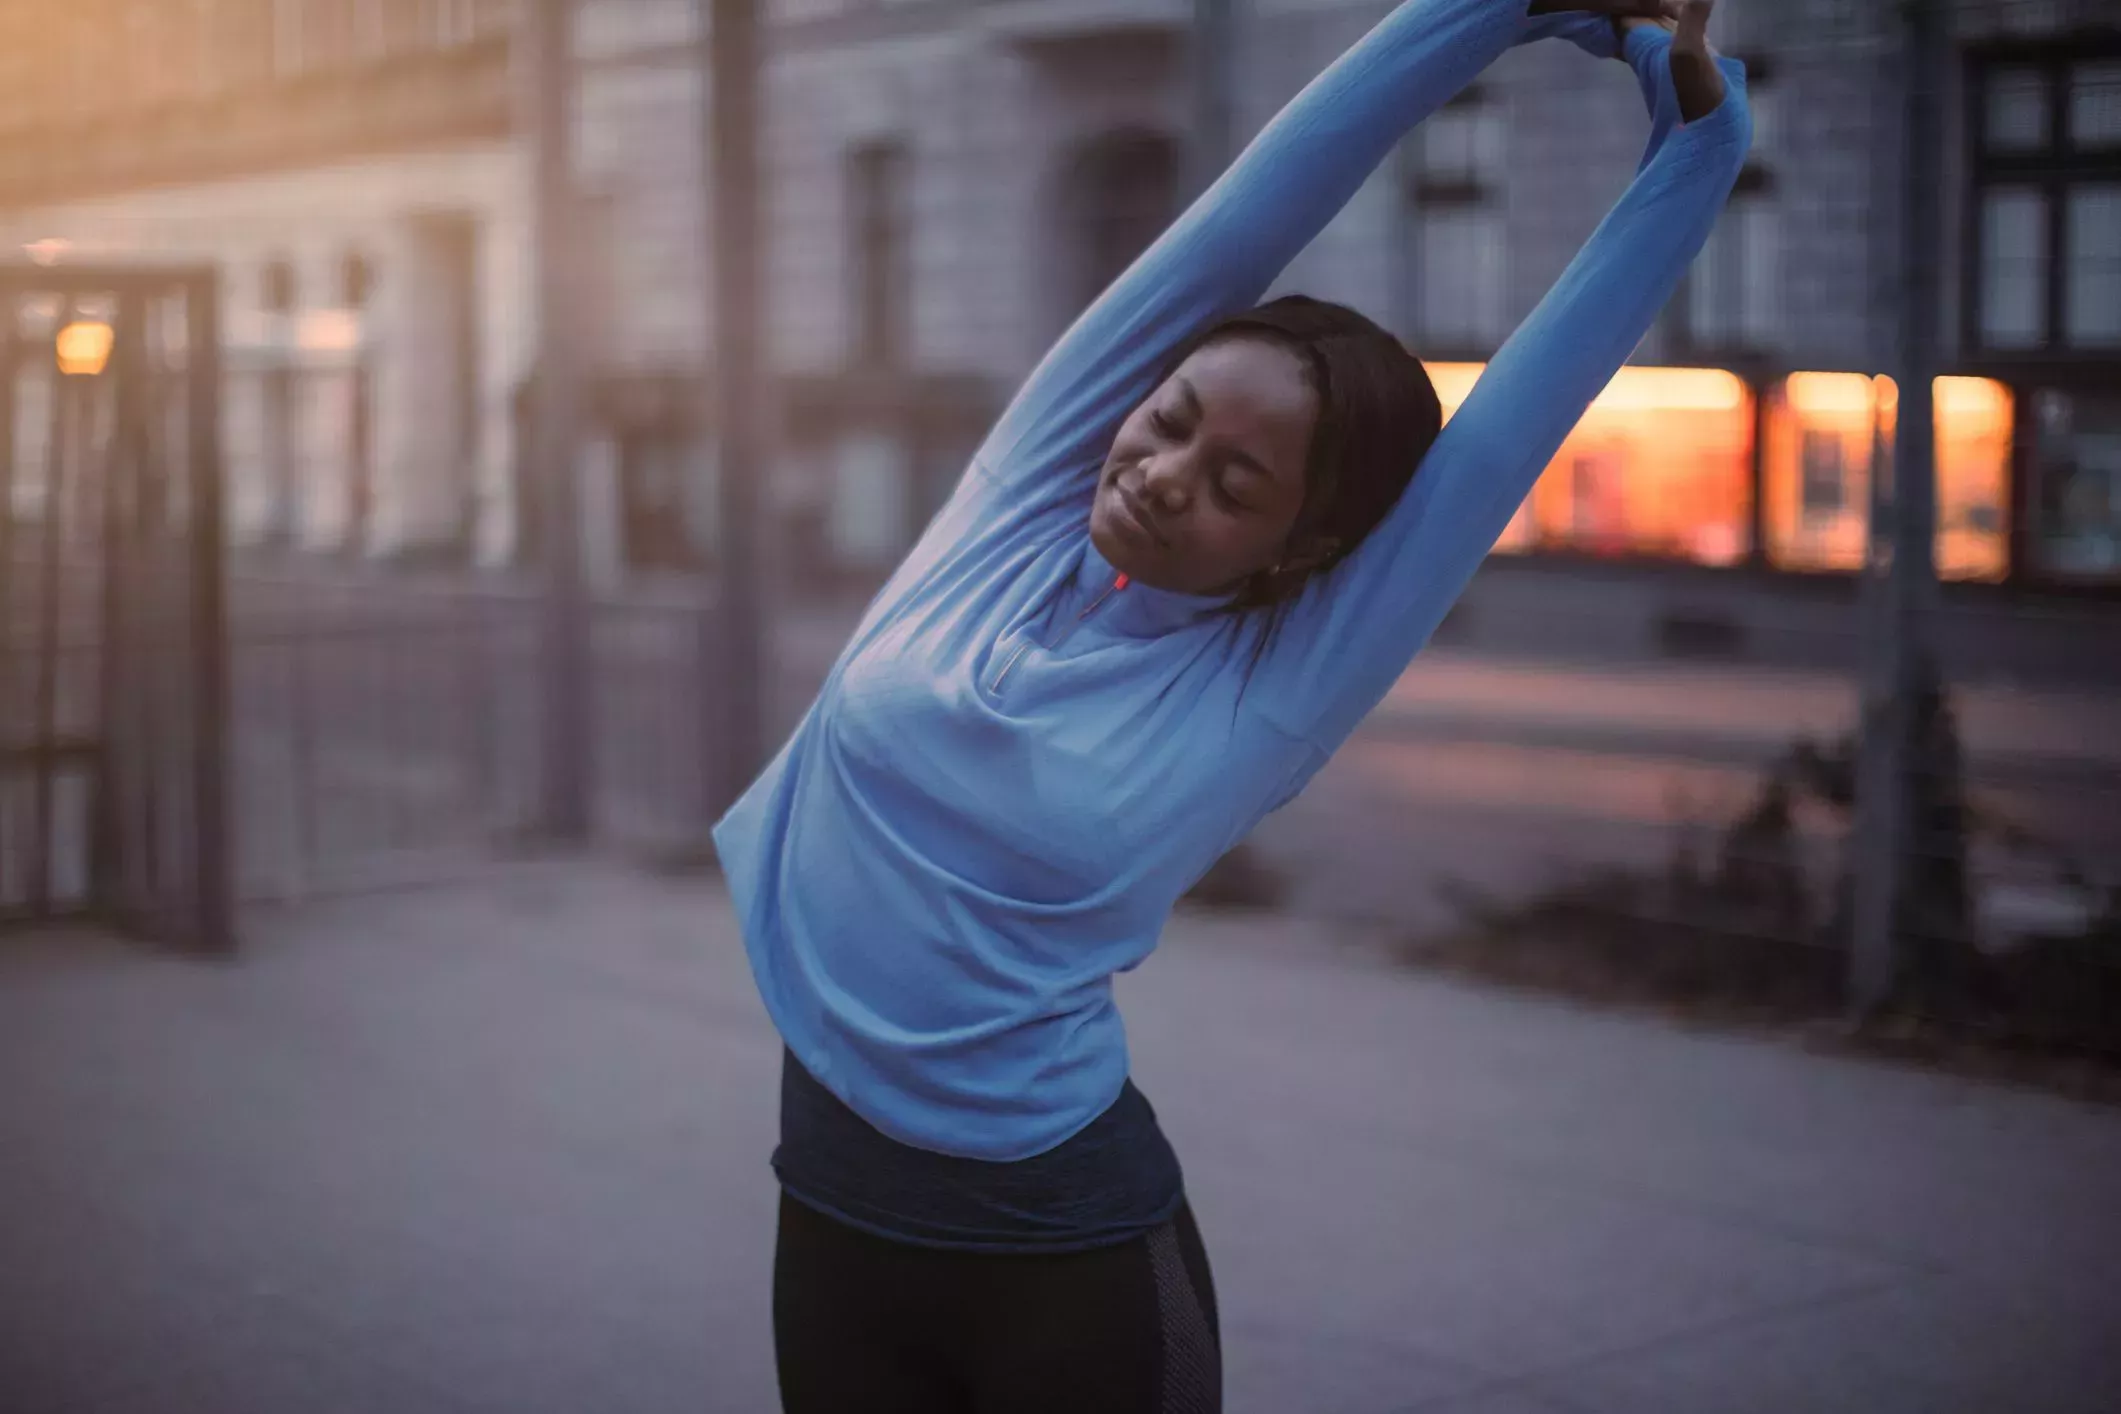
{"x":1199,"y":546}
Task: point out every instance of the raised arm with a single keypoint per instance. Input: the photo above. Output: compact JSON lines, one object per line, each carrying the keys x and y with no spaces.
{"x":1354,"y":632}
{"x":1224,"y":252}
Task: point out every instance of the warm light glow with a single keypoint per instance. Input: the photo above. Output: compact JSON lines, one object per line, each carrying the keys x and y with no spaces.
{"x":1632,"y":389}
{"x":1453,"y":381}
{"x":1982,"y":399}
{"x":84,"y":348}
{"x":1673,"y":390}
{"x":1657,"y":466}
{"x":1832,"y":394}
{"x":1660,"y":465}
{"x":1974,"y":427}
{"x":1823,"y":431}
{"x":329,"y":331}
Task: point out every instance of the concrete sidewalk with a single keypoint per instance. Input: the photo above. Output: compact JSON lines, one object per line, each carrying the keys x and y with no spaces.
{"x":1744,"y":715}
{"x":502,"y":1148}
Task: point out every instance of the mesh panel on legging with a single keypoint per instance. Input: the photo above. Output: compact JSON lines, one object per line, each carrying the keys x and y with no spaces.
{"x":1192,"y":1361}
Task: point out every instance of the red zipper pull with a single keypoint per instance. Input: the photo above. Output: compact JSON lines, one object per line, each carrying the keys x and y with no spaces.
{"x":1120,"y":583}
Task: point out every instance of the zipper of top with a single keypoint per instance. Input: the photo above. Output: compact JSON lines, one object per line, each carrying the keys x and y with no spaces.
{"x":1022,"y":648}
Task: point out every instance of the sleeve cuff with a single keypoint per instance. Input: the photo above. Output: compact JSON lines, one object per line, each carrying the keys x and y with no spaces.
{"x":1733,"y":110}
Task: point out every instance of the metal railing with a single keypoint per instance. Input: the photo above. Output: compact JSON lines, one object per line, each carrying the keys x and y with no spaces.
{"x":112,"y":676}
{"x":389,"y":729}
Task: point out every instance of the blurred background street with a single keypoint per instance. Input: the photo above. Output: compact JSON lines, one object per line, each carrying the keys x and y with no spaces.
{"x":445,"y":444}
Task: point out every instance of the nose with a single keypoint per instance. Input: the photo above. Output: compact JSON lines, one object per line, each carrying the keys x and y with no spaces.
{"x":1167,"y":481}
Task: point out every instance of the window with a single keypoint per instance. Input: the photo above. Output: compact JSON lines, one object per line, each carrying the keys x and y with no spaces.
{"x":1461,"y":277}
{"x":276,"y":287}
{"x":1822,"y":440}
{"x":1824,"y":493}
{"x":2095,"y":104}
{"x":1119,"y":192}
{"x":1733,"y":292}
{"x":2091,"y":302}
{"x":2075,"y":503}
{"x":357,"y":281}
{"x":657,"y":483}
{"x":1975,"y":418}
{"x":1462,"y":145}
{"x":2018,"y":110}
{"x":880,"y":252}
{"x":2044,"y":275}
{"x":2013,"y":268}
{"x":1734,"y":288}
{"x":1457,"y":286}
{"x":1661,"y":465}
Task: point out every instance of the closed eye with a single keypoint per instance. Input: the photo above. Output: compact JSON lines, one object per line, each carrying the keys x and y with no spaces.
{"x":1165,"y":425}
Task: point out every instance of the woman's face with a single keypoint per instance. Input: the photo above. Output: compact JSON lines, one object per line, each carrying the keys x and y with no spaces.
{"x":1205,"y":480}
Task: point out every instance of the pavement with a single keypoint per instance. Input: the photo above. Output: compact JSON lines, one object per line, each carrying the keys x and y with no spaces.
{"x":501,"y":1146}
{"x":2009,"y":732}
{"x":1501,"y":778}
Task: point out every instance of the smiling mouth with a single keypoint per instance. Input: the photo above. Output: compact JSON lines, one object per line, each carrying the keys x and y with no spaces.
{"x":1138,"y":514}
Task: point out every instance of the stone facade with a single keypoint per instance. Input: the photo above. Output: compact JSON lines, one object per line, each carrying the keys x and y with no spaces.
{"x":992,"y":108}
{"x":989,"y":160}
{"x":350,"y":171}
{"x":439,"y":335}
{"x":1005,"y":112}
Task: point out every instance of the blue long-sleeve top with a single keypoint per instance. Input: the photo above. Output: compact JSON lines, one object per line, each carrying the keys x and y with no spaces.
{"x":1015,"y":769}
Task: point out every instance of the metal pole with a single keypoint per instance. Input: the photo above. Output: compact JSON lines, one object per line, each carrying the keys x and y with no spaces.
{"x":735,"y":353}
{"x":1906,"y":512}
{"x":556,"y":425}
{"x":1914,"y":558}
{"x":10,"y":369}
{"x":213,"y":818}
{"x":63,"y":424}
{"x":1213,"y":54}
{"x":121,"y":589}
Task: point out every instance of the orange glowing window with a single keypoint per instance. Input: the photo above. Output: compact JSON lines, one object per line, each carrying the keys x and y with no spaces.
{"x":1660,"y":465}
{"x":1824,"y":431}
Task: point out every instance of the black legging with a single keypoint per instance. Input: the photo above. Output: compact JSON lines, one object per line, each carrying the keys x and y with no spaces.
{"x":863,"y":1325}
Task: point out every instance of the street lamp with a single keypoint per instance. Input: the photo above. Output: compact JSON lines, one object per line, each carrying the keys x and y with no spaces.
{"x":83,"y":348}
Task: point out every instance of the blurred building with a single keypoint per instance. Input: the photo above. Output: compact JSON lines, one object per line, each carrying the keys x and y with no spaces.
{"x":349,"y":166}
{"x":950,"y":182}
